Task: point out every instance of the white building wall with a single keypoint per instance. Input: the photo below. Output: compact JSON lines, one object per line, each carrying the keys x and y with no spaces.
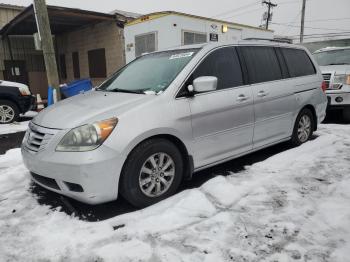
{"x":170,"y":29}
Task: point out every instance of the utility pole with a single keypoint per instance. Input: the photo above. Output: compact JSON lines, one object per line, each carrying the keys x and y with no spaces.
{"x":45,"y":36}
{"x":302,"y":22}
{"x":269,"y":6}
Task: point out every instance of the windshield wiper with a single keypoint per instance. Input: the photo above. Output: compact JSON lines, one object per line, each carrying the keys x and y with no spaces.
{"x":140,"y":91}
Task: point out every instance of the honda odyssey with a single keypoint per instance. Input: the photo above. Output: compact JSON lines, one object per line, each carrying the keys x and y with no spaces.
{"x":171,"y":113}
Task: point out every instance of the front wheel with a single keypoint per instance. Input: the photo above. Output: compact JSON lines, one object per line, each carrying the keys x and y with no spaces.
{"x":152,"y":172}
{"x":303,"y":128}
{"x":9,"y":112}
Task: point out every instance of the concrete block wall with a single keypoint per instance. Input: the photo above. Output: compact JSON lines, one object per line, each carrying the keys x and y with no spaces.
{"x":102,"y":35}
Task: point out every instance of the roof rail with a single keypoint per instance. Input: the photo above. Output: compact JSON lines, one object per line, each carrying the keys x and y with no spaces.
{"x":271,"y":40}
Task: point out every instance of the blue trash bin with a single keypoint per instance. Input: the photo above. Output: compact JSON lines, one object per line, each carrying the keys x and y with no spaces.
{"x":76,"y":87}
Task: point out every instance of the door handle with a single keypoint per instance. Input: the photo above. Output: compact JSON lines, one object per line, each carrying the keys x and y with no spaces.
{"x":262,"y":93}
{"x":242,"y":98}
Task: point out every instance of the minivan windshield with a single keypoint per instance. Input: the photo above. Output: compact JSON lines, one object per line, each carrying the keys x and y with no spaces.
{"x":333,"y":57}
{"x":150,"y":73}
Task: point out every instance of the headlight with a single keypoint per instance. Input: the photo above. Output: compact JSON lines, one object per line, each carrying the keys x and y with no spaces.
{"x":24,"y":90}
{"x":339,"y":80}
{"x":87,"y":137}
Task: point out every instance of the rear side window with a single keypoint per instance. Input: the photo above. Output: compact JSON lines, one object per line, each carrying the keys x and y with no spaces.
{"x":298,"y":62}
{"x":224,"y":64}
{"x":262,"y":64}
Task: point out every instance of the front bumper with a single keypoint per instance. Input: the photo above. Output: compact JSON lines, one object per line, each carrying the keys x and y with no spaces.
{"x":338,"y":100}
{"x":90,"y":177}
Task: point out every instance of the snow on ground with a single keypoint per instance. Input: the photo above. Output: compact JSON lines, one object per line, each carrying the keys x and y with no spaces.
{"x":17,"y":126}
{"x":294,"y":206}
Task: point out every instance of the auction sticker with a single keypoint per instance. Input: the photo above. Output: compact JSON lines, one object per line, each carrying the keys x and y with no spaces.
{"x":181,"y":55}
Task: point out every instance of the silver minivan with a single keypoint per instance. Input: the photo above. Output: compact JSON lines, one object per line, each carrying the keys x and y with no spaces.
{"x":171,"y":113}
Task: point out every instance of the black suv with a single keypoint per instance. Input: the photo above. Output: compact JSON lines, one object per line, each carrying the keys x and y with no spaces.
{"x":15,"y":99}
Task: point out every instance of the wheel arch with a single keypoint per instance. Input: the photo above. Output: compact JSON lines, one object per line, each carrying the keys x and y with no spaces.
{"x":11,"y":99}
{"x":187,"y":158}
{"x":314,"y":115}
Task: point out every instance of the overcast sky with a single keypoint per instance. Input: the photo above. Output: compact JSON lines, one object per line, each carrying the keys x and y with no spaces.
{"x":322,"y":16}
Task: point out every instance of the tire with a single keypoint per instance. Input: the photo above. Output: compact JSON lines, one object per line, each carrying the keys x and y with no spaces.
{"x":303,"y":129}
{"x":9,"y":112}
{"x":140,"y":188}
{"x":346,"y":114}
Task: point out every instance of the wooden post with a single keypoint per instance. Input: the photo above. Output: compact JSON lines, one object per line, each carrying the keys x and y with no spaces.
{"x":302,"y":22}
{"x":45,"y":36}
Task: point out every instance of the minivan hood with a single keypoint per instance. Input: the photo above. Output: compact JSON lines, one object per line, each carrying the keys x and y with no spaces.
{"x":88,"y":108}
{"x":337,"y":69}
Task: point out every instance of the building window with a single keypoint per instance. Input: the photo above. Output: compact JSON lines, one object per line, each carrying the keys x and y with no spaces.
{"x":76,"y":66}
{"x":190,"y":38}
{"x":145,"y":43}
{"x":63,"y":68}
{"x":97,"y":63}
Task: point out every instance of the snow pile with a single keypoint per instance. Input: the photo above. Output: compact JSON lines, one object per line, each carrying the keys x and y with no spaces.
{"x":294,"y":206}
{"x":17,"y":126}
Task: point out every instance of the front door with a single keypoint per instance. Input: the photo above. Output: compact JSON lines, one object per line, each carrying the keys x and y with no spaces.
{"x":16,"y":71}
{"x":222,"y":120}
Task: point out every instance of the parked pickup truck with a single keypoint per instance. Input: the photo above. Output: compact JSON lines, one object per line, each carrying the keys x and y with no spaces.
{"x":15,"y":99}
{"x":335,"y":66}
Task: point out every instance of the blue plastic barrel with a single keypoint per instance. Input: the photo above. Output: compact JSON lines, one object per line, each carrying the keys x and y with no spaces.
{"x":76,"y":87}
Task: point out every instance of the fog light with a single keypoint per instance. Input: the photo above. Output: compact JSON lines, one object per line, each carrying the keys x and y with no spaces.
{"x":339,"y":99}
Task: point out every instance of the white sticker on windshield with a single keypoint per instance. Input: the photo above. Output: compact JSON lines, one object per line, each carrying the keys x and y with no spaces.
{"x":181,"y":55}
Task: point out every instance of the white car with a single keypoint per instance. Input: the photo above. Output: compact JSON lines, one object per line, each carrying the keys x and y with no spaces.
{"x":335,"y":66}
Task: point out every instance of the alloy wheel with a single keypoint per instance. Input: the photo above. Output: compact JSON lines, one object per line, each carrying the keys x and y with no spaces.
{"x":304,"y":128}
{"x":157,"y":174}
{"x":7,"y":114}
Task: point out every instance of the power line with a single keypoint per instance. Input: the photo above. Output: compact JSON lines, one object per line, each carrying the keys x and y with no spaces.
{"x":236,"y":9}
{"x":291,"y":2}
{"x":318,"y":28}
{"x":335,"y":33}
{"x":246,"y":12}
{"x":339,"y":34}
{"x":293,"y":21}
{"x":329,"y":19}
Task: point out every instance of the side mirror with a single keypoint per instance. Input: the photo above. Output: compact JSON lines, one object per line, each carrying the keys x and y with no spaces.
{"x":204,"y":84}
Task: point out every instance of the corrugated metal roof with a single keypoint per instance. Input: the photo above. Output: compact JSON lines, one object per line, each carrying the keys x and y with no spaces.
{"x":13,"y":7}
{"x":62,"y":19}
{"x":126,"y":14}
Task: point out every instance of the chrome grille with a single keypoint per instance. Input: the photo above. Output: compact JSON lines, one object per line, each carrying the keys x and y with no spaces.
{"x":37,"y":137}
{"x":327,"y":79}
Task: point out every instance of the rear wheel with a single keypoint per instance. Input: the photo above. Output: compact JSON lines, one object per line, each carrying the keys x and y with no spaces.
{"x":303,"y":128}
{"x":9,"y":112}
{"x":152,"y":172}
